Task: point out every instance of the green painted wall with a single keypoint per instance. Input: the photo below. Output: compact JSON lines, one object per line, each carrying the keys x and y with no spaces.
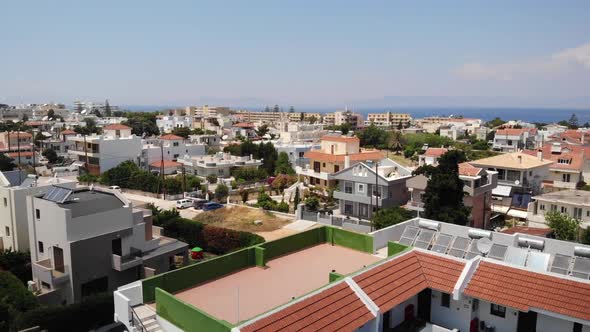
{"x":334,"y":276}
{"x":348,"y":239}
{"x":293,"y":243}
{"x":195,"y":274}
{"x":186,"y":316}
{"x":394,"y":248}
{"x":260,"y":256}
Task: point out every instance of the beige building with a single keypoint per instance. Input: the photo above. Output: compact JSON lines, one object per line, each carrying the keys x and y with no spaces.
{"x":389,"y":120}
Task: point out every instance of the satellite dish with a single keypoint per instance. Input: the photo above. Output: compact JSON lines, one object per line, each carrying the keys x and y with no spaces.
{"x":83,"y":112}
{"x":484,"y":245}
{"x":517,"y":182}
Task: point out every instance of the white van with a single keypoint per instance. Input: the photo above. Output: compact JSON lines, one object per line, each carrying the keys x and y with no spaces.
{"x":184,"y":203}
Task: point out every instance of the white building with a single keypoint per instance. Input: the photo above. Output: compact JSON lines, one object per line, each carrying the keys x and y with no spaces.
{"x":219,"y":164}
{"x":15,"y":186}
{"x":575,"y":203}
{"x":515,"y":139}
{"x":167,"y":123}
{"x":87,"y":241}
{"x":170,"y":148}
{"x":100,"y":153}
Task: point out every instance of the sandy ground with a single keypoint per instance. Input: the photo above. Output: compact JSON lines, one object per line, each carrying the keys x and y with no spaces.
{"x":276,"y":234}
{"x":242,"y":219}
{"x":255,"y":290}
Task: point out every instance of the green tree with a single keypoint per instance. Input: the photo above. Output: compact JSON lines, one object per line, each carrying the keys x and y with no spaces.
{"x":221,"y":192}
{"x":573,"y":122}
{"x":51,"y":155}
{"x":391,"y":216}
{"x":182,"y":132}
{"x":312,"y":203}
{"x":212,"y":178}
{"x":373,"y":136}
{"x":443,"y":197}
{"x":262,"y":130}
{"x":17,"y":263}
{"x":107,"y":109}
{"x":6,"y":163}
{"x":142,"y":123}
{"x":284,"y":165}
{"x":480,"y":145}
{"x":396,"y":141}
{"x":51,"y":114}
{"x":564,"y":227}
{"x":14,"y":300}
{"x":496,"y":122}
{"x":297,"y":198}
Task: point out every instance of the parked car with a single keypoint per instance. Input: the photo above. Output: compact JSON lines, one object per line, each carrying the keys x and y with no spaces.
{"x":198,"y":203}
{"x":184,"y":203}
{"x":211,"y":206}
{"x":117,"y":188}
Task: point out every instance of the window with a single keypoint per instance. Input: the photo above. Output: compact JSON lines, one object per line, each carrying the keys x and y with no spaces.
{"x":5,"y":202}
{"x":7,"y":231}
{"x":588,"y":213}
{"x":542,"y":207}
{"x":563,"y":209}
{"x":348,"y":187}
{"x":37,"y":213}
{"x":323,"y":164}
{"x":566,"y":177}
{"x":40,"y":245}
{"x":360,"y":187}
{"x":553,"y":207}
{"x":175,"y":144}
{"x":578,"y":213}
{"x":498,"y":310}
{"x":445,"y":300}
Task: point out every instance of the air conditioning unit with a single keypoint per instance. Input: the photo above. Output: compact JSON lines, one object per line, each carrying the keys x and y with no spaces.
{"x":32,"y":286}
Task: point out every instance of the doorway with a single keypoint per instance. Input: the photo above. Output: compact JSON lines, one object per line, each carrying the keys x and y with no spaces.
{"x":58,"y":259}
{"x":424,"y":304}
{"x":527,"y":321}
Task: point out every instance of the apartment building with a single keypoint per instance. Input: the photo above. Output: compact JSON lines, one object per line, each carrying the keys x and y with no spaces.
{"x":293,"y":132}
{"x":336,"y":153}
{"x":567,"y":169}
{"x":219,"y":164}
{"x":167,"y":123}
{"x":434,"y":123}
{"x":168,"y":147}
{"x":515,"y":139}
{"x":418,"y":275}
{"x":338,"y":118}
{"x":478,"y":186}
{"x":243,"y":129}
{"x":269,"y":117}
{"x":389,"y":120}
{"x":18,"y":146}
{"x":15,"y":186}
{"x":575,"y":203}
{"x":99,"y":153}
{"x":60,"y":144}
{"x":85,"y":241}
{"x":367,"y":186}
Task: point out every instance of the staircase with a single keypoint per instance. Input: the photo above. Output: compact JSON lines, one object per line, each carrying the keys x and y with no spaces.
{"x":147,"y":319}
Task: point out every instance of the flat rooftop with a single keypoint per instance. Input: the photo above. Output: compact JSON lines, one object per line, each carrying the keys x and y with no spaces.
{"x":85,"y":202}
{"x":253,"y":291}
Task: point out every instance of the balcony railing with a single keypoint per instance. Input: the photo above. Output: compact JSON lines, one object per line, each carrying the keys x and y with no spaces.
{"x":45,"y":272}
{"x":123,"y":263}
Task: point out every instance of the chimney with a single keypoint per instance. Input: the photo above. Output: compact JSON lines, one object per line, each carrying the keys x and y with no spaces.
{"x":520,"y":159}
{"x":346,"y":161}
{"x":540,"y":154}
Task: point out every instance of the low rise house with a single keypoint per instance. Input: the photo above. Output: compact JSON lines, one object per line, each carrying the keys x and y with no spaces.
{"x":60,"y":144}
{"x":567,"y":168}
{"x":167,"y":123}
{"x":426,"y":276}
{"x":366,"y":186}
{"x":15,"y":186}
{"x":243,"y":129}
{"x":336,"y":153}
{"x":479,"y":184}
{"x":219,"y":164}
{"x":99,"y":153}
{"x":515,"y":139}
{"x":169,"y":148}
{"x":430,"y":156}
{"x":85,"y":241}
{"x":575,"y":203}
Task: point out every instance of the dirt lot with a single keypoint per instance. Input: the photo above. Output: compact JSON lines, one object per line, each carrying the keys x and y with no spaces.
{"x":242,"y":219}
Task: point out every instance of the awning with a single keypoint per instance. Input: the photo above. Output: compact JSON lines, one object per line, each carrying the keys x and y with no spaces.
{"x":517,"y":213}
{"x":78,"y":163}
{"x":503,"y":191}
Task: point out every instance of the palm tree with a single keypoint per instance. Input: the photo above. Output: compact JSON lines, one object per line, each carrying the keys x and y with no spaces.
{"x":396,"y":141}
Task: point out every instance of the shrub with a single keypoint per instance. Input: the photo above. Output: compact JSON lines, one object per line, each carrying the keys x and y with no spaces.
{"x":249,"y":174}
{"x":94,"y":311}
{"x":88,"y":178}
{"x":244,"y":195}
{"x":221,"y":192}
{"x":283,"y":207}
{"x":185,"y":230}
{"x":283,"y":181}
{"x":312,"y":203}
{"x":14,"y":299}
{"x":212,"y":178}
{"x":161,"y":217}
{"x":18,"y":263}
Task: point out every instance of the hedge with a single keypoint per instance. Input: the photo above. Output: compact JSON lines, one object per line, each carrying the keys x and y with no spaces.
{"x":93,"y":312}
{"x":14,"y":299}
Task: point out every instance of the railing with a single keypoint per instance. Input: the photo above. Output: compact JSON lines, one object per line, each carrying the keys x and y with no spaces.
{"x":135,"y":319}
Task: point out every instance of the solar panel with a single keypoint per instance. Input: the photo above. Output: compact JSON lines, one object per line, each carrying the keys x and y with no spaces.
{"x":581,"y":268}
{"x":459,"y":246}
{"x":498,"y":251}
{"x":424,"y":238}
{"x":516,"y":256}
{"x":561,"y":264}
{"x":409,"y":235}
{"x":442,"y":242}
{"x":473,"y":251}
{"x":538,"y":261}
{"x":57,"y":194}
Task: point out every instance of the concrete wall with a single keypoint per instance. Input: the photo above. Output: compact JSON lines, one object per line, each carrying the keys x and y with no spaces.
{"x":115,"y":151}
{"x":549,"y":324}
{"x":508,"y":323}
{"x":458,"y":315}
{"x":397,"y":314}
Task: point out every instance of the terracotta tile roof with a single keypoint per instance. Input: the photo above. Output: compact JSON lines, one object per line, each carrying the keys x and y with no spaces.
{"x":171,"y":137}
{"x":515,"y":160}
{"x":516,"y":131}
{"x":14,"y":155}
{"x":467,"y":169}
{"x":167,"y":163}
{"x":68,"y":132}
{"x":405,"y":276}
{"x":339,"y":158}
{"x":340,"y":138}
{"x":116,"y":127}
{"x":22,"y":134}
{"x":524,"y":290}
{"x":435,"y":152}
{"x":574,"y":154}
{"x":337,"y":308}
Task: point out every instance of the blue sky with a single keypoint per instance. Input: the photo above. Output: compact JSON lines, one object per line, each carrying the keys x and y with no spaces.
{"x":302,"y":53}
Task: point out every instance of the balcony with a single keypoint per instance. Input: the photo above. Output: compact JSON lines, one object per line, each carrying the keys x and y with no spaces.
{"x":310,"y":172}
{"x":123,"y":263}
{"x":45,"y":272}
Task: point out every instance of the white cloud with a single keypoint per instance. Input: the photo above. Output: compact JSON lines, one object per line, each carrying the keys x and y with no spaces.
{"x":549,"y":65}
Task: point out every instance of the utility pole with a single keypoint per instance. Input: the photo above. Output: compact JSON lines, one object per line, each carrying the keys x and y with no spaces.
{"x":86,"y":155}
{"x":376,"y":191}
{"x":162,"y":168}
{"x":34,"y":170}
{"x":183,"y":179}
{"x":18,"y":153}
